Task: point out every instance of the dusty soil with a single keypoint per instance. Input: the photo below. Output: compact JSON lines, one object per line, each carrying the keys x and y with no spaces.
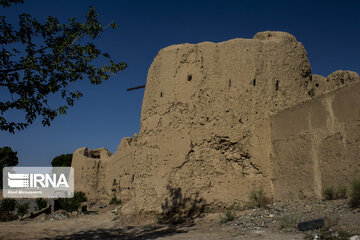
{"x":277,"y":222}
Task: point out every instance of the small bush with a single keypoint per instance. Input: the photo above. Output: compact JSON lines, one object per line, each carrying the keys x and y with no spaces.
{"x":288,"y":221}
{"x":258,"y":199}
{"x":7,"y":208}
{"x":6,"y":216}
{"x":115,"y":201}
{"x":341,"y":192}
{"x":8,"y":205}
{"x":40,"y":203}
{"x":332,"y":230}
{"x":355,"y":194}
{"x":72,"y":204}
{"x":227,"y":217}
{"x":22,"y":209}
{"x":329,"y":193}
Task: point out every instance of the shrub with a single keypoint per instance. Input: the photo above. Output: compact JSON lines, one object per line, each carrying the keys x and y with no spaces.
{"x":40,"y":203}
{"x":7,"y":208}
{"x":8,"y":205}
{"x":355,"y":194}
{"x":7,"y":216}
{"x":258,"y":199}
{"x":288,"y":221}
{"x":341,"y":192}
{"x":227,"y":217}
{"x":80,"y":197}
{"x":72,"y":204}
{"x":115,"y":201}
{"x":331,"y":227}
{"x":329,"y":193}
{"x":22,"y":209}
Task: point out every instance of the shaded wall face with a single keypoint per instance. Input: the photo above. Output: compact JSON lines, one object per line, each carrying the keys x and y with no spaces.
{"x":340,"y":152}
{"x":316,"y":144}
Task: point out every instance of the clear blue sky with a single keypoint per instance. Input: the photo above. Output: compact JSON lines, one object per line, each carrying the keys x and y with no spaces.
{"x":329,"y":30}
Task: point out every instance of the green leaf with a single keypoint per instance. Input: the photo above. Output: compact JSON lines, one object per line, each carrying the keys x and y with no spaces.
{"x":36,"y":71}
{"x":114,"y":25}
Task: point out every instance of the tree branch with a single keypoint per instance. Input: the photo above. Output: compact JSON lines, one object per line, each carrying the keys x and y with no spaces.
{"x":12,"y":70}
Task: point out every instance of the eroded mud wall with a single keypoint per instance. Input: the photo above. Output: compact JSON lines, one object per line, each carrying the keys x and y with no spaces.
{"x":204,"y":122}
{"x":206,"y":127}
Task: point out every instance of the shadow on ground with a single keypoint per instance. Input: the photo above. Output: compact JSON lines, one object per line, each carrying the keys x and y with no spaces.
{"x":135,"y":233}
{"x":178,"y":214}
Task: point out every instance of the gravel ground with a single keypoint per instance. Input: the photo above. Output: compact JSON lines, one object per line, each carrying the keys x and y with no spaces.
{"x":278,"y":222}
{"x":339,"y":218}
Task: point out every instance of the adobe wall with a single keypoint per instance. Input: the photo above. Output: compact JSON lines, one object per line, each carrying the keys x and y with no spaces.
{"x":317,"y":144}
{"x":89,"y":174}
{"x":206,"y":125}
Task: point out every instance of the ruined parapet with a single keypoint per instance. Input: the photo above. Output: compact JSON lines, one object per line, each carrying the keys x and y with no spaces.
{"x":207,"y":126}
{"x":335,"y":80}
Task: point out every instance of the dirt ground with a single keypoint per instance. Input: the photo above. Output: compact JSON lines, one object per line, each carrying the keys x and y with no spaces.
{"x":102,"y":226}
{"x":272,"y":223}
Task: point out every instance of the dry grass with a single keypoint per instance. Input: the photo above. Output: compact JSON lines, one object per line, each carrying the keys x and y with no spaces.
{"x":228,"y":216}
{"x":259,"y":199}
{"x":355,"y":194}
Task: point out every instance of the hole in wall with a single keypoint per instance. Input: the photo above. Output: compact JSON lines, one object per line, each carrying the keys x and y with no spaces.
{"x":161,"y":94}
{"x":94,"y":153}
{"x":277,"y":85}
{"x":189,"y":77}
{"x":311,"y":93}
{"x":254,"y":82}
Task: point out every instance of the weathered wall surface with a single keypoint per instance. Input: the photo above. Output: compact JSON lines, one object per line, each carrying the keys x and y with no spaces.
{"x":89,"y":166}
{"x":205,"y":124}
{"x":205,"y":113}
{"x":316,"y":144}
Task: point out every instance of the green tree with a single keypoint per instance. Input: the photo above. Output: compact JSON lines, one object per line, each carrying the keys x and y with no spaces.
{"x":22,"y":209}
{"x":64,"y":160}
{"x":7,"y":209}
{"x":8,"y":158}
{"x":8,"y":204}
{"x":38,"y":60}
{"x":71,"y":204}
{"x":41,"y":203}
